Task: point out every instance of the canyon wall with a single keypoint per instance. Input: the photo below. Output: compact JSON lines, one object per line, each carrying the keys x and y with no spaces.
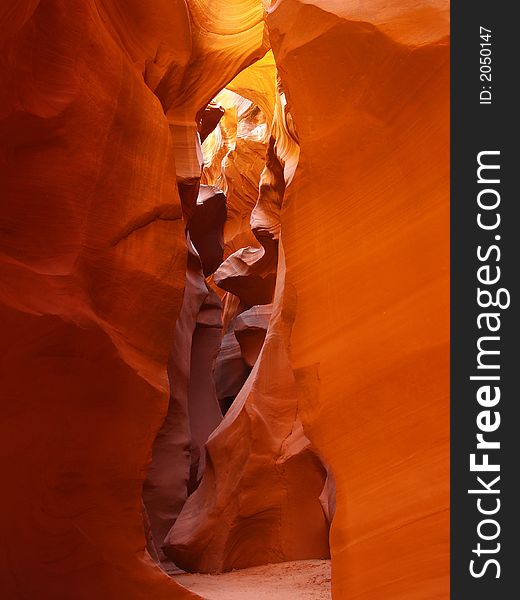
{"x":316,"y":289}
{"x":360,"y":313}
{"x":97,"y":97}
{"x":366,"y":239}
{"x":259,"y":498}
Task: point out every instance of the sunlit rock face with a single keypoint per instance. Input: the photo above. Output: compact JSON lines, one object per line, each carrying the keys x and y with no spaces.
{"x":234,"y":159}
{"x":360,"y":310}
{"x":259,"y":498}
{"x":365,"y":234}
{"x":96,"y":99}
{"x":225,"y":324}
{"x":258,"y":501}
{"x":233,"y":522}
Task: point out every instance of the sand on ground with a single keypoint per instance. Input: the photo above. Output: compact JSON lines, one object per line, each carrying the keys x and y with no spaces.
{"x":298,"y":580}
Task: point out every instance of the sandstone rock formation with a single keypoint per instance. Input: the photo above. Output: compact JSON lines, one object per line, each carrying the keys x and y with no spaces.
{"x":93,"y":256}
{"x":226,"y":523}
{"x":206,"y":227}
{"x":235,"y":157}
{"x":250,"y":328}
{"x":192,"y":224}
{"x":193,"y":411}
{"x":376,"y":248}
{"x":231,"y":370}
{"x":365,"y":235}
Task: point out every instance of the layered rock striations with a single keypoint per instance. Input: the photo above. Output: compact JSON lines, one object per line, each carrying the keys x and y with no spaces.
{"x":259,"y":498}
{"x":361,"y":227}
{"x":237,"y":297}
{"x":227,"y":523}
{"x":93,"y":258}
{"x":365,"y":234}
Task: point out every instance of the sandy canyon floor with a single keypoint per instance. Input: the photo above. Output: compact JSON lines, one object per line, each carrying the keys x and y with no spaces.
{"x":298,"y":580}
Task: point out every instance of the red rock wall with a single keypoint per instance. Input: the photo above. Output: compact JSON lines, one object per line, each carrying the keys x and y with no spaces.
{"x":258,"y":501}
{"x":365,"y":234}
{"x":93,"y":261}
{"x":99,"y":107}
{"x":92,"y":266}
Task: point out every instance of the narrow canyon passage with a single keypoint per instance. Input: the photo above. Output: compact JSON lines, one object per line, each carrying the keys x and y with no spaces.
{"x":234,"y":482}
{"x":225,"y":299}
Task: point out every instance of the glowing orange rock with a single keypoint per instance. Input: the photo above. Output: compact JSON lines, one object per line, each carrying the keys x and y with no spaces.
{"x":259,"y":498}
{"x":92,"y":268}
{"x":364,"y":228}
{"x":92,"y":262}
{"x":102,"y":113}
{"x":361,"y":309}
{"x":258,"y":501}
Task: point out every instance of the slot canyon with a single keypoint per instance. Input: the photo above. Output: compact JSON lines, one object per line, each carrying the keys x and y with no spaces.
{"x":224,"y":300}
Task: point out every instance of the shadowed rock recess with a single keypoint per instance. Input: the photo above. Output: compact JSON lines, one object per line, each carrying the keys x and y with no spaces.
{"x":224,"y":300}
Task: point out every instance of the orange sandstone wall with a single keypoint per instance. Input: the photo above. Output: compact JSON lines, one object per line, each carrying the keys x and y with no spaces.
{"x":365,"y":233}
{"x":92,"y":264}
{"x":98,"y":116}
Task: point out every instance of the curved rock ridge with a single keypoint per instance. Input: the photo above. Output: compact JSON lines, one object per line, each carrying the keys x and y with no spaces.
{"x":239,"y":350}
{"x":221,"y":33}
{"x":250,"y":329}
{"x":93,"y":259}
{"x":409,"y":23}
{"x":206,"y":227}
{"x":231,"y":370}
{"x":193,"y":411}
{"x":224,"y":294}
{"x":257,"y":83}
{"x":234,"y":157}
{"x":250,"y":274}
{"x":226,"y":523}
{"x":365,"y":232}
{"x":382,"y":247}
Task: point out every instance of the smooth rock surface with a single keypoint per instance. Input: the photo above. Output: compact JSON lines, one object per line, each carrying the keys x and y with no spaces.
{"x":92,"y":262}
{"x":365,"y":233}
{"x":333,"y":153}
